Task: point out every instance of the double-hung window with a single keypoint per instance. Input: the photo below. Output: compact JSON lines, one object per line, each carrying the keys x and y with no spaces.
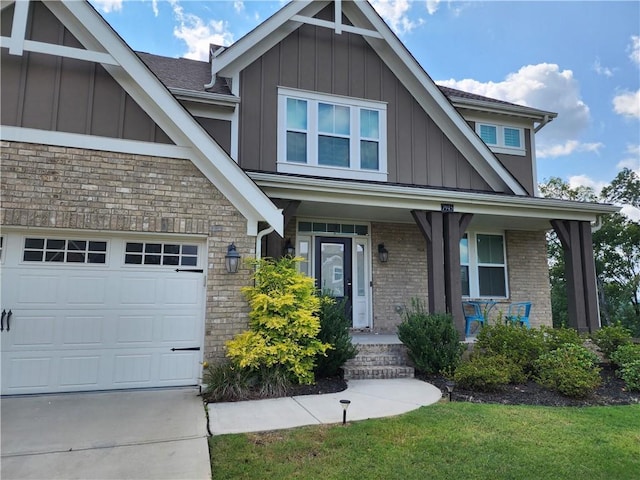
{"x":329,"y":135}
{"x":502,"y":138}
{"x":483,"y":265}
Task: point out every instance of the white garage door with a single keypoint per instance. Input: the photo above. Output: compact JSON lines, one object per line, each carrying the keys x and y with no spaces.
{"x":98,"y":313}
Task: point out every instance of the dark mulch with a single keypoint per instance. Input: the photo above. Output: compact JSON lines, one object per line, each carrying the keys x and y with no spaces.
{"x":611,"y":392}
{"x":322,"y":385}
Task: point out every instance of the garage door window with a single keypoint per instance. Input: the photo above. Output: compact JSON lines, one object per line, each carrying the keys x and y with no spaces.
{"x":138,"y":253}
{"x":55,"y":250}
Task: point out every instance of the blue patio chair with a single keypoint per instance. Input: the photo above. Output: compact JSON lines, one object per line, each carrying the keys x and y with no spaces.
{"x":518,"y":312}
{"x":472,"y":313}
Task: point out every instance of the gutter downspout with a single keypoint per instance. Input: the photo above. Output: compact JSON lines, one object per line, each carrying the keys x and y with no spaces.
{"x":212,"y":57}
{"x":261,"y":234}
{"x":546,"y":120}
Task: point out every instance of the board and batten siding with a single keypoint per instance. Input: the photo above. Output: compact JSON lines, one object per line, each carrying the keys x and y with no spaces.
{"x":46,"y":92}
{"x":315,"y":59}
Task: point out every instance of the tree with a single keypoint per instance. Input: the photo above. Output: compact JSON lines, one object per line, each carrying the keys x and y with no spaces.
{"x":616,"y":248}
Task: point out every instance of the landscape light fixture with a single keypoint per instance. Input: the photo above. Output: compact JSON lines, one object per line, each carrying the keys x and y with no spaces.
{"x":345,"y":405}
{"x":232,"y":259}
{"x":450,"y":384}
{"x":383,"y":253}
{"x":288,"y":249}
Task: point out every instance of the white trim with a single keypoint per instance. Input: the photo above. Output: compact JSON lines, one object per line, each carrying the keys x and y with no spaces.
{"x":235,"y":120}
{"x":92,"y":142}
{"x":19,"y":27}
{"x":337,"y":26}
{"x":474,"y":264}
{"x":57,"y":50}
{"x":203,"y":111}
{"x":500,"y":145}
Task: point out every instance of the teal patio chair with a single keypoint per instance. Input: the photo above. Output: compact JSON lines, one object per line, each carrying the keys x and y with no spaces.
{"x":518,"y":312}
{"x":472,"y":313}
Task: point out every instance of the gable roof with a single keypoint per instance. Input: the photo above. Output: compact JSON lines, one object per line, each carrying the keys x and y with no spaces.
{"x":366,"y":22}
{"x":104,"y":45}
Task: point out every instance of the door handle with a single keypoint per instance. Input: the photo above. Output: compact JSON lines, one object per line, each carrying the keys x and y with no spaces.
{"x":4,"y":314}
{"x":8,"y":320}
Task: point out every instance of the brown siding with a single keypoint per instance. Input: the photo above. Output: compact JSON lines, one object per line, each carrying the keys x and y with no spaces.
{"x":60,"y":94}
{"x":520,"y":167}
{"x":220,"y":131}
{"x":314,"y":58}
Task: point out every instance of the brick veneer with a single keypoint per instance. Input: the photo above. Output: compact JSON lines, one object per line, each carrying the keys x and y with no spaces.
{"x":71,"y":188}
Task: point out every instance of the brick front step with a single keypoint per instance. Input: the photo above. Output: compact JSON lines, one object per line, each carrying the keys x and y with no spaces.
{"x":378,"y":361}
{"x":377,"y":372}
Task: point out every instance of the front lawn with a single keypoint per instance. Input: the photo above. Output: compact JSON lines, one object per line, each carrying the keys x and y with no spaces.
{"x":445,"y":441}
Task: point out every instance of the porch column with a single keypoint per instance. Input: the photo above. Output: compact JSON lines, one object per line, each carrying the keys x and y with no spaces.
{"x":455,"y":225}
{"x":275,"y":243}
{"x":580,"y":273}
{"x":431,"y":226}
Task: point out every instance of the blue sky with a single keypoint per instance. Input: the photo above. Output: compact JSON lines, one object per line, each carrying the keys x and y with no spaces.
{"x":580,"y":59}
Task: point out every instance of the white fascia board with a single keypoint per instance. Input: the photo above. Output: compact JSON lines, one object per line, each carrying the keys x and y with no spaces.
{"x":229,"y":101}
{"x":259,"y":40}
{"x":499,"y":108}
{"x":145,"y":88}
{"x":93,"y":142}
{"x":416,"y":198}
{"x":427,"y":93}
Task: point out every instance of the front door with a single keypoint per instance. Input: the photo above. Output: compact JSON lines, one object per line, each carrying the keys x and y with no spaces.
{"x":333,"y":268}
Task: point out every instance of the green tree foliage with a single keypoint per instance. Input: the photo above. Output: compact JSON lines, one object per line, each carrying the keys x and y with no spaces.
{"x":616,"y":249}
{"x":334,"y":330}
{"x":284,"y":327}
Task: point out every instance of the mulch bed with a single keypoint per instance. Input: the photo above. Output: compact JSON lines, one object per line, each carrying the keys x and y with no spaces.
{"x":611,"y":392}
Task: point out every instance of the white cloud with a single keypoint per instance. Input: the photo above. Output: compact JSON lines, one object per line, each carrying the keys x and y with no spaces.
{"x":108,"y":6}
{"x":585,"y":181}
{"x":394,"y":12}
{"x":631,"y":212}
{"x":238,"y":6}
{"x":432,"y":6}
{"x":600,"y":70}
{"x":627,"y":104}
{"x":154,"y":7}
{"x":198,"y":34}
{"x":634,"y":49}
{"x":546,"y":87}
{"x":632,"y":161}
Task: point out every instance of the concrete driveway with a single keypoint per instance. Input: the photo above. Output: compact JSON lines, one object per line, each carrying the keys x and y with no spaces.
{"x":143,"y":434}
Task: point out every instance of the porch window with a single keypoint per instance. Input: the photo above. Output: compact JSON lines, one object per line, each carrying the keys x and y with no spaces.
{"x":331,"y":136}
{"x":483,"y":268}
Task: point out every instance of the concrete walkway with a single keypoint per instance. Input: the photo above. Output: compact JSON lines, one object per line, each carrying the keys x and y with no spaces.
{"x":369,"y":399}
{"x":144,"y":434}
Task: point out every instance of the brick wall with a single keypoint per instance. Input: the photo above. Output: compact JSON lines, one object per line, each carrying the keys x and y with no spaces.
{"x":402,"y":278}
{"x":529,"y":274}
{"x":57,"y":187}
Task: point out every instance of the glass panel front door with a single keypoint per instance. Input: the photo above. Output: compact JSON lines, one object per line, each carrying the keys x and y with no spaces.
{"x":333,"y":268}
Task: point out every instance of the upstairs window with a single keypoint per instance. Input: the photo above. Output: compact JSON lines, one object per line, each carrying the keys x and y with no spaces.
{"x":483,"y":265}
{"x":331,"y":136}
{"x":502,"y":139}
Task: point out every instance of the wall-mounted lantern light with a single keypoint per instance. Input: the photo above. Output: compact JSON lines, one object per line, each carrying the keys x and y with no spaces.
{"x":232,"y":259}
{"x":289,"y":251}
{"x":383,"y":253}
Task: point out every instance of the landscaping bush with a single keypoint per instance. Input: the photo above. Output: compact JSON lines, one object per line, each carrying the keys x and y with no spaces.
{"x":519,"y":344}
{"x":625,"y":354}
{"x":630,"y":373}
{"x":486,"y":373}
{"x":226,"y":382}
{"x":432,"y":341}
{"x":334,"y":330}
{"x":553,"y":338}
{"x":570,"y":369}
{"x":610,"y":337}
{"x":283,"y":325}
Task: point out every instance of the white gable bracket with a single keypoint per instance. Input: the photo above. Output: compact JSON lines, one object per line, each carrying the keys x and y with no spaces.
{"x":334,"y":26}
{"x":19,"y":27}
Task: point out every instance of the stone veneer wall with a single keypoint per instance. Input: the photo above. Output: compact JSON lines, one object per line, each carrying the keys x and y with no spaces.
{"x":529,"y":274}
{"x":402,"y":278}
{"x":56,"y":187}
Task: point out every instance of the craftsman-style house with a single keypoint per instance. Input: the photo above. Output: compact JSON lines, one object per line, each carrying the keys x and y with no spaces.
{"x":126,"y":178}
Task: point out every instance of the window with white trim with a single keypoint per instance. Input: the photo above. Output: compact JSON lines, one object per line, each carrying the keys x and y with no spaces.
{"x":502,"y":138}
{"x":483,"y":265}
{"x":329,"y":135}
{"x":59,"y":250}
{"x":142,"y":253}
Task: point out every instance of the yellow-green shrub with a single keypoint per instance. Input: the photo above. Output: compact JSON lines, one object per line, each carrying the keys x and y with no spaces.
{"x":283,"y":325}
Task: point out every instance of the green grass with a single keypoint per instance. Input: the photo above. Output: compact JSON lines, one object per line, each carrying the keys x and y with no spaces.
{"x":445,"y":441}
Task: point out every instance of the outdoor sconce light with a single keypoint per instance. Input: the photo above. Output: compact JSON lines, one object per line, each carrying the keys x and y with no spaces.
{"x":232,"y":259}
{"x":288,"y":249}
{"x":345,"y":405}
{"x":450,"y":385}
{"x":383,"y":253}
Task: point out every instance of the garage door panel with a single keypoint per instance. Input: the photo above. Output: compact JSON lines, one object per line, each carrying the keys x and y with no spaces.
{"x":37,"y":290}
{"x":182,"y":291}
{"x":80,"y":330}
{"x":132,"y":368}
{"x":177,"y":328}
{"x":80,"y":371}
{"x":24,"y":372}
{"x":138,"y":291}
{"x":86,"y":291}
{"x":177,"y":366}
{"x":135,"y":329}
{"x":31,"y":330}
